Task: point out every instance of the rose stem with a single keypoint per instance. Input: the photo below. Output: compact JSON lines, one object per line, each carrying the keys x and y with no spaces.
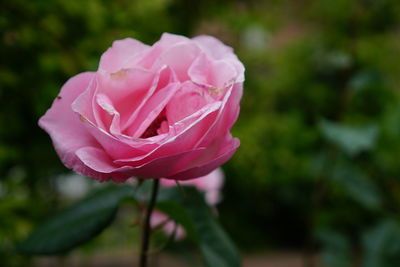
{"x":144,"y":247}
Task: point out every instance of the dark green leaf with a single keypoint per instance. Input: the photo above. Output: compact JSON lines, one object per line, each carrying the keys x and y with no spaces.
{"x":77,"y":224}
{"x":216,"y":247}
{"x":357,"y":185}
{"x":189,"y":209}
{"x":335,"y":248}
{"x":363,"y":80}
{"x":382,"y":245}
{"x":351,"y":139}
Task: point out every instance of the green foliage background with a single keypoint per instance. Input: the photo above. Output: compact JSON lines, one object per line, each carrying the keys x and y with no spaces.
{"x":318,"y":167}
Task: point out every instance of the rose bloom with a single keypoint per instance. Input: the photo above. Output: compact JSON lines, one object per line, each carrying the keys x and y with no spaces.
{"x":164,"y":110}
{"x":210,"y":184}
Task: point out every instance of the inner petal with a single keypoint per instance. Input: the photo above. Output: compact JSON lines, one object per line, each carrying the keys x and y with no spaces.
{"x":151,"y":111}
{"x":157,"y":126}
{"x":179,"y":58}
{"x":189,"y":99}
{"x":127,"y":101}
{"x":126,"y":89}
{"x":163,"y":77}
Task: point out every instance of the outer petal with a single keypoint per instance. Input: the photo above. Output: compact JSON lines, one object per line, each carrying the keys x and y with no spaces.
{"x":66,"y":130}
{"x":213,"y":47}
{"x":123,"y":54}
{"x":100,"y":166}
{"x":163,"y":166}
{"x":227,"y":116}
{"x":218,"y":50}
{"x":167,"y":41}
{"x":178,"y":57}
{"x":213,"y":162}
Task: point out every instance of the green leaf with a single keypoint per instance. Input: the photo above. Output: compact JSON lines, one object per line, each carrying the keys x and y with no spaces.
{"x":216,"y":246}
{"x":381,"y":245}
{"x":77,"y":224}
{"x":335,"y":248}
{"x":86,"y":219}
{"x":187,"y":207}
{"x":364,"y":80}
{"x":351,"y":139}
{"x":357,"y":185}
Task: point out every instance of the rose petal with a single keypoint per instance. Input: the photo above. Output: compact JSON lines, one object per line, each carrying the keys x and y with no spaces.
{"x":65,"y":128}
{"x":214,"y":74}
{"x":213,"y":47}
{"x":163,"y":166}
{"x":117,"y":146}
{"x":123,"y":54}
{"x":163,"y":77}
{"x":218,"y":50}
{"x":166,"y":41}
{"x":206,"y":167}
{"x":100,"y":165}
{"x":127,"y":90}
{"x":152,"y":109}
{"x":184,"y":140}
{"x":227,"y":115}
{"x":179,"y":58}
{"x":188,"y":100}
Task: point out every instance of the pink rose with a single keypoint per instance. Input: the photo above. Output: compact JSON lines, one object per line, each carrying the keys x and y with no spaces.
{"x":164,"y":110}
{"x":211,"y":184}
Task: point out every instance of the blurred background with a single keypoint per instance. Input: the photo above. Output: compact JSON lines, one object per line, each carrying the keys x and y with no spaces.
{"x":316,"y":181}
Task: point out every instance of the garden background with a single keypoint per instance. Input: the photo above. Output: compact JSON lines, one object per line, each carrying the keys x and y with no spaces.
{"x":318,"y":170}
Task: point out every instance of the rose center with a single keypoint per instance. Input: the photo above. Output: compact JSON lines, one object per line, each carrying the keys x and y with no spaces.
{"x":158,"y":126}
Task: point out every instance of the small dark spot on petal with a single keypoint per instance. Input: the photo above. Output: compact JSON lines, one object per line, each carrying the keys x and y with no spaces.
{"x":59,"y":97}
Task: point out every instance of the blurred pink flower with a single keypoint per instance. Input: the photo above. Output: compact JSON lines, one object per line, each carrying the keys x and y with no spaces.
{"x":210,"y":184}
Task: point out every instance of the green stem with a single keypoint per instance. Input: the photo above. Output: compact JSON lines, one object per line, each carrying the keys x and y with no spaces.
{"x":146,"y":226}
